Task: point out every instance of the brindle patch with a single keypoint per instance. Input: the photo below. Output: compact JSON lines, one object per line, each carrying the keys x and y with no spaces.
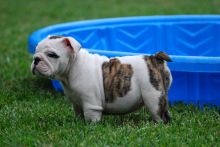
{"x":55,"y":37}
{"x":159,"y":76}
{"x":160,"y":79}
{"x":116,"y":79}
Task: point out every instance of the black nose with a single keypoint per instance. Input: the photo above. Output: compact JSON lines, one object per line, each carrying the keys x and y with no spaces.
{"x":36,"y":60}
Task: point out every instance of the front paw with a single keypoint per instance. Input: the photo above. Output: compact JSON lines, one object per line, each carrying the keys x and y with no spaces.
{"x":92,"y":116}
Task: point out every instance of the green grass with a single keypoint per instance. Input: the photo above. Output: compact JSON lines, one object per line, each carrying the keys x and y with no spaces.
{"x":33,"y":114}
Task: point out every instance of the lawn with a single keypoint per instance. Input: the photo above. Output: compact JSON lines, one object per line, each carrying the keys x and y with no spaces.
{"x":33,"y":114}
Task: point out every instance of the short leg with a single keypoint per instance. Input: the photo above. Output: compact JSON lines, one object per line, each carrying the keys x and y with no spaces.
{"x":163,"y":109}
{"x":92,"y":113}
{"x":157,"y":105}
{"x":151,"y":101}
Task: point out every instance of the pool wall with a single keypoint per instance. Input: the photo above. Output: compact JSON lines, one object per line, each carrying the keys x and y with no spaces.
{"x":191,"y":41}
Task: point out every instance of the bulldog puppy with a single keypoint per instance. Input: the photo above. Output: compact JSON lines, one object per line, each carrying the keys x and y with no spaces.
{"x":98,"y":85}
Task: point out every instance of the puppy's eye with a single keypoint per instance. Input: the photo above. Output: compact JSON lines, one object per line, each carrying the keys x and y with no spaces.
{"x":52,"y":55}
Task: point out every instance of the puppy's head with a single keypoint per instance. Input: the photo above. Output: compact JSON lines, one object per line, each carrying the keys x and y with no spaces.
{"x":53,"y":56}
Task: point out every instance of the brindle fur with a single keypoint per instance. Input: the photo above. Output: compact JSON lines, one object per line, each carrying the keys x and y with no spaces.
{"x":55,"y":37}
{"x":163,"y":111}
{"x":116,"y":79}
{"x":159,"y":78}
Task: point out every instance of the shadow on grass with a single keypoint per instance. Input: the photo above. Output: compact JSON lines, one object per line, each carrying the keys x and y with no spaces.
{"x":134,"y":119}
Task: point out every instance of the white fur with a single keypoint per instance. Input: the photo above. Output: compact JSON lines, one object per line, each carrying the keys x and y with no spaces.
{"x":82,"y":80}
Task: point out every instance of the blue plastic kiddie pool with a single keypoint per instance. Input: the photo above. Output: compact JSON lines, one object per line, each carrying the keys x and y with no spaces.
{"x":193,"y":41}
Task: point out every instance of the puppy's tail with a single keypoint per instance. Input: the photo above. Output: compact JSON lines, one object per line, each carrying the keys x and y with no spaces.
{"x":162,"y":56}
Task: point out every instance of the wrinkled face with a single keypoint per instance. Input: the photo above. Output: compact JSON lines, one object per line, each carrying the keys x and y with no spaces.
{"x":53,"y":55}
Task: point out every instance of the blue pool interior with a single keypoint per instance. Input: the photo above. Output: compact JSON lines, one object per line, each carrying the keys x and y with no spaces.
{"x":191,"y":41}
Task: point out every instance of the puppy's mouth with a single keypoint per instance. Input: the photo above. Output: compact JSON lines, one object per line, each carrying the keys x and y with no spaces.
{"x":36,"y":72}
{"x":33,"y":70}
{"x":41,"y":69}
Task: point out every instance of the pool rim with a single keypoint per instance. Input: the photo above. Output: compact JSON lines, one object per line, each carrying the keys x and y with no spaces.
{"x":202,"y":61}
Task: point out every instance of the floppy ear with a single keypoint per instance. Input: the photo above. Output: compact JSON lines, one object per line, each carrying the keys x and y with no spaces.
{"x":71,"y":43}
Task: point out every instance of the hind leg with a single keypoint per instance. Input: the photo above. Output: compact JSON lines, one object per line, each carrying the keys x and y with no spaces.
{"x":163,"y":109}
{"x":155,"y":103}
{"x":151,"y":101}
